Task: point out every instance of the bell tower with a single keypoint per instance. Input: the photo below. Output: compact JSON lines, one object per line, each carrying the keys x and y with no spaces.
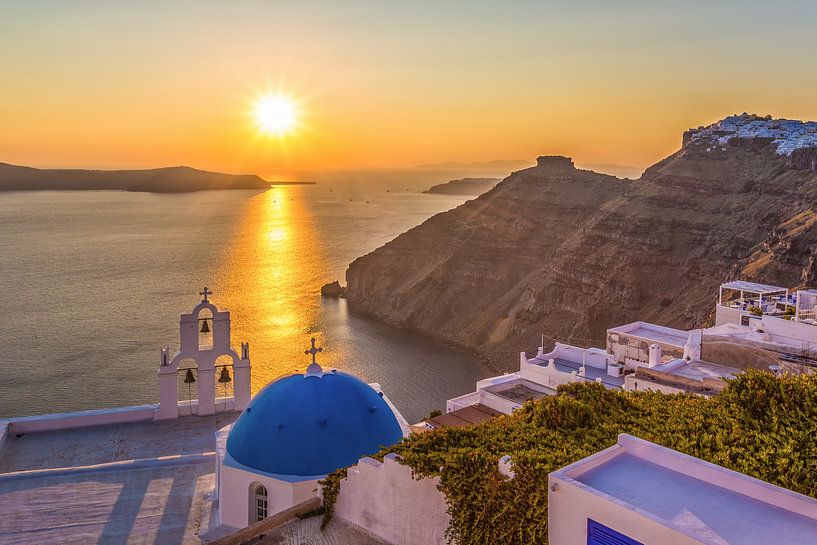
{"x":204,"y":336}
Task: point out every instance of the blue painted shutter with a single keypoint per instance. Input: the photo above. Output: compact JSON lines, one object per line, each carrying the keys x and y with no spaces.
{"x":599,"y":534}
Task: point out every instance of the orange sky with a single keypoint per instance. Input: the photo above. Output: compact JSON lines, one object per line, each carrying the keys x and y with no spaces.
{"x":136,"y":84}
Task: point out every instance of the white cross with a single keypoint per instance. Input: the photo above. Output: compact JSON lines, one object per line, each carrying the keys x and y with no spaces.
{"x":205,"y":293}
{"x":313,"y":351}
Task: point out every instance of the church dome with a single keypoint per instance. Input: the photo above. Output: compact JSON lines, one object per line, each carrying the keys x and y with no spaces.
{"x":312,"y":424}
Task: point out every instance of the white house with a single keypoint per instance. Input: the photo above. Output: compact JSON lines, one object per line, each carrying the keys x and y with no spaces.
{"x":639,"y":493}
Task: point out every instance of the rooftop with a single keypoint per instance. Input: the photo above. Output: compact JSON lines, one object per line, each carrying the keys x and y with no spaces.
{"x":697,"y":370}
{"x":703,"y":500}
{"x":520,"y":391}
{"x":653,"y":332}
{"x":462,"y":418}
{"x":146,"y":482}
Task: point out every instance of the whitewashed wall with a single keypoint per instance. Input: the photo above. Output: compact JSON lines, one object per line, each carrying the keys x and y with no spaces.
{"x":234,"y":495}
{"x":386,"y":501}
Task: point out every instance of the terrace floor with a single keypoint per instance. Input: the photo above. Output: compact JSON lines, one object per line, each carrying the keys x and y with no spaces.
{"x":138,"y":483}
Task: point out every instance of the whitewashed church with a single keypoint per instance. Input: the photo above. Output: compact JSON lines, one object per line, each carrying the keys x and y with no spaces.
{"x":294,"y":432}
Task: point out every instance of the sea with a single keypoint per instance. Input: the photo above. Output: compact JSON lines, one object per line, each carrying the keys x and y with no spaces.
{"x":92,"y":284}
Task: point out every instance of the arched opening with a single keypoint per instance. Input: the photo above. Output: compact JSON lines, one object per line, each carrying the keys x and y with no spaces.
{"x":205,"y":328}
{"x":225,"y":380}
{"x":258,"y":502}
{"x":187,"y":375}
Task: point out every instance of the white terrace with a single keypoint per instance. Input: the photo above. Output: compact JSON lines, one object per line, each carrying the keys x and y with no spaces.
{"x":637,"y":492}
{"x":770,"y":314}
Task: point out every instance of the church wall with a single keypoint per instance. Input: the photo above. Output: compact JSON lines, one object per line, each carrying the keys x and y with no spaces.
{"x":385,"y":500}
{"x":234,"y":494}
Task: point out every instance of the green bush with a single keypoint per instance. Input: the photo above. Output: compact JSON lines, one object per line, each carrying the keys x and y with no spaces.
{"x":760,"y":425}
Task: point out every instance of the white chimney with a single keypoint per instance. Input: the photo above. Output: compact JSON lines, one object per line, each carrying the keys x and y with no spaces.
{"x":655,"y":355}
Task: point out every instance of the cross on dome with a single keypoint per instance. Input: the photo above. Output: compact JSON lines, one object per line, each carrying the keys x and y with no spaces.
{"x":313,"y":367}
{"x":205,"y":293}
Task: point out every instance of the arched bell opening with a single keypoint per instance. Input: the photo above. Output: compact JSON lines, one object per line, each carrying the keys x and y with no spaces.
{"x":205,"y":329}
{"x":225,"y":378}
{"x":187,"y":376}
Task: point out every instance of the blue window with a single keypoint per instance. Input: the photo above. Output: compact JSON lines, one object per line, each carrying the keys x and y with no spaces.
{"x":599,"y":534}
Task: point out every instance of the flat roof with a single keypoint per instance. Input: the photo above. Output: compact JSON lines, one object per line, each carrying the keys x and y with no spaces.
{"x":520,"y":390}
{"x":703,"y":500}
{"x":140,"y":482}
{"x":699,"y":370}
{"x":465,"y":417}
{"x":752,"y":287}
{"x":653,"y":332}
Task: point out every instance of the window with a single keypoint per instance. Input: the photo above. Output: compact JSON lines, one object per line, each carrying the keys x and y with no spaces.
{"x":260,"y":503}
{"x":599,"y":534}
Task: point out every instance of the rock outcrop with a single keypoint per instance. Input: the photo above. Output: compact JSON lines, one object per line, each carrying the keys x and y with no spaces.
{"x":333,"y":290}
{"x":569,"y":253}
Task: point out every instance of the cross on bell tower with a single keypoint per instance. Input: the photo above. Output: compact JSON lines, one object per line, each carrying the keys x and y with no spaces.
{"x":313,"y":367}
{"x":206,"y":293}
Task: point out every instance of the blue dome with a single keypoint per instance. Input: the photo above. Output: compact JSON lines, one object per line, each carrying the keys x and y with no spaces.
{"x":308,"y":425}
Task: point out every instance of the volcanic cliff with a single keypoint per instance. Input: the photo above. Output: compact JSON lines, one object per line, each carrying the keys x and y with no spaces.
{"x":569,"y":253}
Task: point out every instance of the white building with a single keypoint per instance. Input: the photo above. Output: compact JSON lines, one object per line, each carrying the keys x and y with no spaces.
{"x":639,"y":493}
{"x":293,"y":433}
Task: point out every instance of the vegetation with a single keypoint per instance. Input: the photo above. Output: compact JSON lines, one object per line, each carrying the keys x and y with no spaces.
{"x":760,"y":425}
{"x":756,"y":311}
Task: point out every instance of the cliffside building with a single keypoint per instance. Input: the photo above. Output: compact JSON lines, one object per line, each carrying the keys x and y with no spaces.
{"x":757,"y":326}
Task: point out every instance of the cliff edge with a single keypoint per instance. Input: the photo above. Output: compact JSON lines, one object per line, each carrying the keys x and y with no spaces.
{"x":566,"y":252}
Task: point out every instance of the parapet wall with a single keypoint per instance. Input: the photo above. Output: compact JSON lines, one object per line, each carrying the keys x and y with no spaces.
{"x":385,"y":500}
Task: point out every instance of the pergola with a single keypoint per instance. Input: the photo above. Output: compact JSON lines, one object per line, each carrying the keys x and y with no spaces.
{"x":751,"y":288}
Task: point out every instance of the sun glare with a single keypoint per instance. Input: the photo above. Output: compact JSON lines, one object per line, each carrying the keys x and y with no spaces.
{"x":276,"y":114}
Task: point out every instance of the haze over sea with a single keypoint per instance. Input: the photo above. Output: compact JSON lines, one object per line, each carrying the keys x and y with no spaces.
{"x":94,"y":281}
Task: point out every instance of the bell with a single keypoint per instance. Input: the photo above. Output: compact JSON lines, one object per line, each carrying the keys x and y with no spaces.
{"x":225,"y":375}
{"x":188,"y":377}
{"x":204,"y":327}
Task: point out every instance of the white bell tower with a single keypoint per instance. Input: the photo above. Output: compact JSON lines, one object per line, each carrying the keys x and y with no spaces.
{"x":204,"y":336}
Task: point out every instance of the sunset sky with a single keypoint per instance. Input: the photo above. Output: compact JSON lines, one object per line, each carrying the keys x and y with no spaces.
{"x":389,"y":84}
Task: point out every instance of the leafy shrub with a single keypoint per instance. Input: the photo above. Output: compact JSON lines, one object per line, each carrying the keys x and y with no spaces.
{"x":760,"y":425}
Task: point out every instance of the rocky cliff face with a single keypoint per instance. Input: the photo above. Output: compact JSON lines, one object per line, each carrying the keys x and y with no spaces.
{"x":569,"y":252}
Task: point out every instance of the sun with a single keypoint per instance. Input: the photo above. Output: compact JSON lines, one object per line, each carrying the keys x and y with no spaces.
{"x":276,"y":114}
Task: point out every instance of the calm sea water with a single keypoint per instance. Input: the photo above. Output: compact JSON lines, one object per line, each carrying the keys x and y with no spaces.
{"x":92,"y":285}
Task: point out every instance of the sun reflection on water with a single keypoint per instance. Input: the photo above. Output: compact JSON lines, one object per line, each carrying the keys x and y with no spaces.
{"x":270,"y":282}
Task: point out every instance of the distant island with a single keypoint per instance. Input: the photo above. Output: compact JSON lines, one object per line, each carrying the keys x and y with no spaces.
{"x":179,"y":179}
{"x":465,"y":186}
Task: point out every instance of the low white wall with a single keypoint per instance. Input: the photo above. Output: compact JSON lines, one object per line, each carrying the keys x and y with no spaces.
{"x":5,"y":433}
{"x":633,"y":384}
{"x":386,"y":501}
{"x":497,"y":403}
{"x":463,"y":401}
{"x":727,"y":315}
{"x":546,"y":375}
{"x":794,"y":332}
{"x":81,"y":419}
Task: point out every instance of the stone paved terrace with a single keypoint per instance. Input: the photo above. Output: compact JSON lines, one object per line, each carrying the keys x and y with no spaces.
{"x":138,"y":483}
{"x":308,"y":532}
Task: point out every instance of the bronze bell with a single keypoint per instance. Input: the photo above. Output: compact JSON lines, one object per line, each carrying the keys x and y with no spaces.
{"x":188,"y":377}
{"x":204,"y":327}
{"x":225,"y":375}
